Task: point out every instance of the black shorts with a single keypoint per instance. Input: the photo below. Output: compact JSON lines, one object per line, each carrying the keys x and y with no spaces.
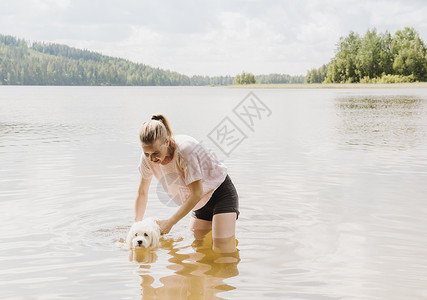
{"x":223,"y":200}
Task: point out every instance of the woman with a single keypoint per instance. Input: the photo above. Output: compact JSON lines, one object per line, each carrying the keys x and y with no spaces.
{"x":193,"y":179}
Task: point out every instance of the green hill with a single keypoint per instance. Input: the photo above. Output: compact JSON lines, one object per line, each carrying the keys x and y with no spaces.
{"x":24,"y":63}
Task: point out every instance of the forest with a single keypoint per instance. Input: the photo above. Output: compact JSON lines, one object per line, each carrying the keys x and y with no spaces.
{"x":375,"y":58}
{"x":37,"y":63}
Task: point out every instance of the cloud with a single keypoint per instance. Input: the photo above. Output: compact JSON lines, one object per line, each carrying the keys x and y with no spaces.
{"x":210,"y":37}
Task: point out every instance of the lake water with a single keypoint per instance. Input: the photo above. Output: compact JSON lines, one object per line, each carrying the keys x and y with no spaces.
{"x":332,"y":185}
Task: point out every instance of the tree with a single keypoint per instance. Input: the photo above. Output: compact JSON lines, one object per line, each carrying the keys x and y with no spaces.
{"x":409,"y":54}
{"x":386,"y":57}
{"x":343,"y":68}
{"x":245,"y":78}
{"x":368,"y":56}
{"x":316,"y":75}
{"x":376,"y":57}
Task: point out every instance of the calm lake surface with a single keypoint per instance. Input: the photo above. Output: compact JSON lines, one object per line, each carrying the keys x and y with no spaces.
{"x":332,"y":185}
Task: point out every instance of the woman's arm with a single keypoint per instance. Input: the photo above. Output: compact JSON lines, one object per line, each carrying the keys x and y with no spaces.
{"x":196,"y":189}
{"x":141,"y":199}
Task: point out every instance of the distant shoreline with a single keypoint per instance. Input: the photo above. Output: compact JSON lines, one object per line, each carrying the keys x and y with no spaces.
{"x":332,"y":86}
{"x":407,"y":85}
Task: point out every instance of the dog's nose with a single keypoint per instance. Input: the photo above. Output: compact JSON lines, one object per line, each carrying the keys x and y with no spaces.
{"x":139,"y":243}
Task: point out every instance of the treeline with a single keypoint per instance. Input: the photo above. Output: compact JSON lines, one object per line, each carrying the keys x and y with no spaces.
{"x":279,"y":78}
{"x":24,"y":63}
{"x":53,"y":64}
{"x":214,"y":80}
{"x":375,"y":58}
{"x":249,"y":78}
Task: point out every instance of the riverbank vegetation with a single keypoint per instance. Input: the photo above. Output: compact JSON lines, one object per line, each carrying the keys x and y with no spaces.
{"x":245,"y":78}
{"x":403,"y":85}
{"x":25,"y":63}
{"x":375,"y":58}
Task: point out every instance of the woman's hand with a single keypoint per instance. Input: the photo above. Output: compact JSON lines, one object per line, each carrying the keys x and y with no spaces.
{"x":196,"y":189}
{"x":165,"y":226}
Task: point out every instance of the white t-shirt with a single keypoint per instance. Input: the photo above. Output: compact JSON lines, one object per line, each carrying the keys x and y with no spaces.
{"x":191,"y":162}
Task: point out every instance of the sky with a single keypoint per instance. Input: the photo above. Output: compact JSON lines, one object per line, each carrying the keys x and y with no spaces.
{"x":215,"y":37}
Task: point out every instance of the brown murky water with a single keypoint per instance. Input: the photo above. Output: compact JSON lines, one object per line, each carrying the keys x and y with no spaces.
{"x":332,"y":186}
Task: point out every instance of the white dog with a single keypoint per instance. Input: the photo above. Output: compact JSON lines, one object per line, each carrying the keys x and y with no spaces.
{"x":144,"y":234}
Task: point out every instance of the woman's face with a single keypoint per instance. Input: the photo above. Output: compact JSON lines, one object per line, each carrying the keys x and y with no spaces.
{"x":157,"y":151}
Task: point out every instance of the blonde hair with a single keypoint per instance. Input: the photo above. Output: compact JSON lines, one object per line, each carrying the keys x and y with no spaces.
{"x":156,"y":129}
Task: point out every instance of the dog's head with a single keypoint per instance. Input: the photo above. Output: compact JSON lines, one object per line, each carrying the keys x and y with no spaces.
{"x":144,"y":234}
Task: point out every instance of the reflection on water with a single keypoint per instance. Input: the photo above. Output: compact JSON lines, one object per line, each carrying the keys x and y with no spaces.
{"x":198,"y":271}
{"x":388,"y":121}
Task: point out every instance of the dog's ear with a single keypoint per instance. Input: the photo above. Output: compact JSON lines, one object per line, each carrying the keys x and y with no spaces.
{"x":129,"y":238}
{"x":155,"y":241}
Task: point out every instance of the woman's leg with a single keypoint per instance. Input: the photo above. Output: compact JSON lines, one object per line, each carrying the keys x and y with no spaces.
{"x":223,"y":232}
{"x":200,"y":228}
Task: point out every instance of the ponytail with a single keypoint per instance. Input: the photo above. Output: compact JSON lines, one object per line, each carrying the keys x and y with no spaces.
{"x":157,"y":128}
{"x":165,"y":122}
